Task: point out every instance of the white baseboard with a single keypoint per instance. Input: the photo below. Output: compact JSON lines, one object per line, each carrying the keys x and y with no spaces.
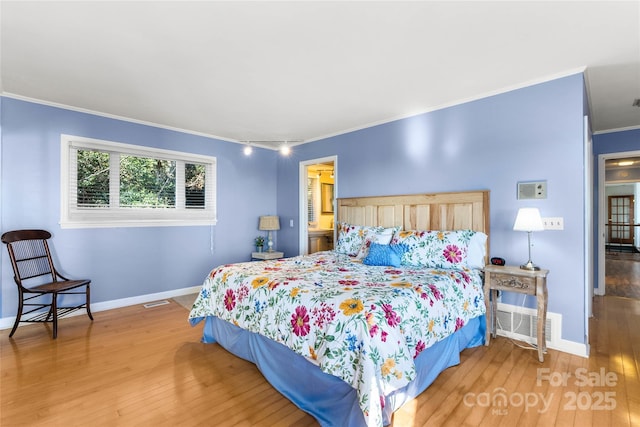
{"x":7,"y":322}
{"x":572,"y":347}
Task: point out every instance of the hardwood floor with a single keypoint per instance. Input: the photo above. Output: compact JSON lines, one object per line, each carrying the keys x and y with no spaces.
{"x":622,"y":277}
{"x":139,"y":367}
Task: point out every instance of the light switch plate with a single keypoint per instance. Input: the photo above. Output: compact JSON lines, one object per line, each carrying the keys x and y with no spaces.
{"x":555,"y":223}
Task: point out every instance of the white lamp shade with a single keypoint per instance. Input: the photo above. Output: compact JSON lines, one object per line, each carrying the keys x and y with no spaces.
{"x":528,"y":219}
{"x":269,"y":223}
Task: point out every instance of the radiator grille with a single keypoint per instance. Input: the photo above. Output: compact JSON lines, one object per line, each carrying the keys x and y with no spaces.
{"x":522,"y":323}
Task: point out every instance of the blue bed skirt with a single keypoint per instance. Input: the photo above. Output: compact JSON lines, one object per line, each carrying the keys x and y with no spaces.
{"x":326,"y":397}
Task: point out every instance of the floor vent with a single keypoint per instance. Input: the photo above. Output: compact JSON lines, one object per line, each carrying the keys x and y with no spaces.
{"x":521,"y":323}
{"x":156,"y":304}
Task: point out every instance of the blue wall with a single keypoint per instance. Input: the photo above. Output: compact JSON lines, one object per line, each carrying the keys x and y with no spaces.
{"x":125,"y":262}
{"x":535,"y":133}
{"x":616,"y":142}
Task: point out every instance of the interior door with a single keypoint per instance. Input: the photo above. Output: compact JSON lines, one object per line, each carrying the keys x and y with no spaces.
{"x":621,"y":220}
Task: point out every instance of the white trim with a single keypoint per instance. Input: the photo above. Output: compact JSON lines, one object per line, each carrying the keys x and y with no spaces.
{"x":161,"y":153}
{"x":573,"y":347}
{"x":116,"y":117}
{"x":588,"y":224}
{"x":601,"y":132}
{"x":73,"y":217}
{"x":600,"y":289}
{"x":7,"y":322}
{"x":253,"y":143}
{"x":111,"y":223}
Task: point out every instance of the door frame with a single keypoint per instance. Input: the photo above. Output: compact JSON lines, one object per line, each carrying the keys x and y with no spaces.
{"x":303,"y":226}
{"x":602,"y":213}
{"x":588,"y":226}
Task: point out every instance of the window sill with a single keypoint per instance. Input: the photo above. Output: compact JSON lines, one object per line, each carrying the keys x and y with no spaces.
{"x":136,"y":223}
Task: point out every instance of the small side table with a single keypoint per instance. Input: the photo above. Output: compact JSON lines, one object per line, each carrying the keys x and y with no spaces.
{"x":267,"y":255}
{"x":515,"y":279}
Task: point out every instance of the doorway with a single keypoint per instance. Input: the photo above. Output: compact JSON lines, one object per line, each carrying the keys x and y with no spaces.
{"x":618,"y":231}
{"x":318,"y":190}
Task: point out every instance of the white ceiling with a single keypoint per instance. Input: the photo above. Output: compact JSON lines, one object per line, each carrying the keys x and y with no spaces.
{"x":300,"y":71}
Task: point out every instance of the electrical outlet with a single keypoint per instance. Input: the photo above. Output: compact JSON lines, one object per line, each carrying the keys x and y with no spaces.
{"x":555,"y":223}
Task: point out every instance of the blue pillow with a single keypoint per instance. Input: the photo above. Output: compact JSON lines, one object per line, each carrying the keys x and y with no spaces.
{"x":385,"y":255}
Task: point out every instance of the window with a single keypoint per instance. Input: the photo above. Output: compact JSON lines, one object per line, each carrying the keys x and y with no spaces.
{"x":312,"y":190}
{"x":109,"y":184}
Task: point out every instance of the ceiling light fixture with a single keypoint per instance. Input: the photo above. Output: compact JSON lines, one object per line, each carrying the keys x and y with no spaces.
{"x":283,"y":145}
{"x":285,"y":150}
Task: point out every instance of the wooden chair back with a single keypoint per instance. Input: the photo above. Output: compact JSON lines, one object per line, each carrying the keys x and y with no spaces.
{"x":30,"y":255}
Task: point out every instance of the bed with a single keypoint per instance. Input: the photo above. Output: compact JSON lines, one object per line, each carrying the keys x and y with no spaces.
{"x":352,"y":334}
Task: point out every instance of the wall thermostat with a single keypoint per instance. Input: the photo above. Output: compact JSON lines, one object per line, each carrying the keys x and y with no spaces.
{"x":532,"y":190}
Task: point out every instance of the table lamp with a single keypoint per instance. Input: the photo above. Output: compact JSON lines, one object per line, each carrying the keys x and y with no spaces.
{"x":269,"y":223}
{"x":529,"y":220}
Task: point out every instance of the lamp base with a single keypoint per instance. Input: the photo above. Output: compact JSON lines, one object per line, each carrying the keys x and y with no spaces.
{"x":530,"y":266}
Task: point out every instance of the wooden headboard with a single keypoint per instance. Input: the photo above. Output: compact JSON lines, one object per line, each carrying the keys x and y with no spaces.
{"x":438,"y":211}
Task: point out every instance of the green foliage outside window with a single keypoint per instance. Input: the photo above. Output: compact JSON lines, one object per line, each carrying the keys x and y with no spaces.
{"x":93,"y":178}
{"x":144,"y":181}
{"x":194,"y":175}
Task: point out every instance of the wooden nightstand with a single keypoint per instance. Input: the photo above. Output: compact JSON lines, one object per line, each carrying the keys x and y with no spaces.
{"x":515,"y":279}
{"x":267,"y":255}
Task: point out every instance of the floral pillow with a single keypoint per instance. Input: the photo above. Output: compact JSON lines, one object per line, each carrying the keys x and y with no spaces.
{"x":442,"y":249}
{"x":351,"y":237}
{"x":381,"y":236}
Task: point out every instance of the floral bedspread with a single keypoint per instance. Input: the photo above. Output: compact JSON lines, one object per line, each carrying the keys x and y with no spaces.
{"x":362,"y":324}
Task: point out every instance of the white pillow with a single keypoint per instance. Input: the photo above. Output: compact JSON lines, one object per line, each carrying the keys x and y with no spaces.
{"x":379,"y":236}
{"x":477,"y":250}
{"x":351,"y":237}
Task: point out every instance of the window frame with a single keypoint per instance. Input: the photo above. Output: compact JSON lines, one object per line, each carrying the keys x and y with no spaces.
{"x":113,"y":216}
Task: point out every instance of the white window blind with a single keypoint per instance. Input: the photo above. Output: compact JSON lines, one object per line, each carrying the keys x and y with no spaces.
{"x":312,"y":195}
{"x":110,"y":184}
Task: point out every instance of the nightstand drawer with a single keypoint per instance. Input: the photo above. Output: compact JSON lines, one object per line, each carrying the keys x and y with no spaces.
{"x":509,"y":282}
